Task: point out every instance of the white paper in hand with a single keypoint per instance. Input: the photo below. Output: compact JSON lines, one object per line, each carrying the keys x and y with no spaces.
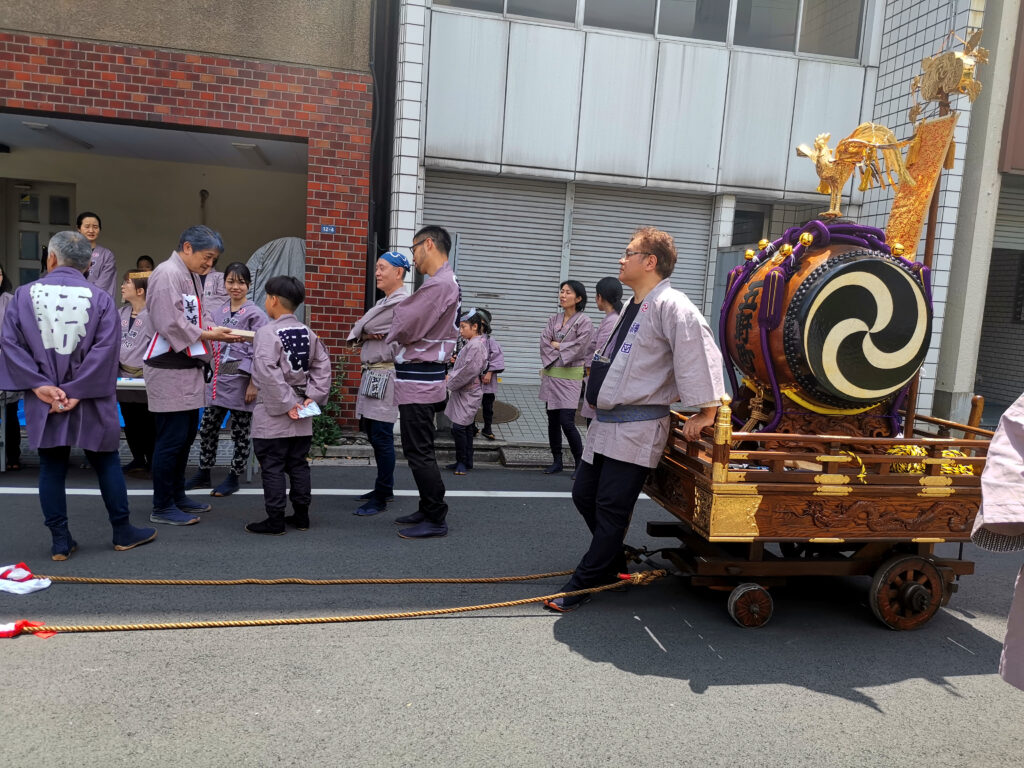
{"x":309,"y":410}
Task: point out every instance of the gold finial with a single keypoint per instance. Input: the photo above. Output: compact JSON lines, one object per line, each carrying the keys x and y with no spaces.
{"x":898,"y":249}
{"x":723,"y":422}
{"x":806,"y":239}
{"x":749,"y":254}
{"x":762,"y":244}
{"x":786,"y":250}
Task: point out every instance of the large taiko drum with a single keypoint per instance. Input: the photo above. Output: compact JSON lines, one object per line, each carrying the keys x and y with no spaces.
{"x":837,"y":330}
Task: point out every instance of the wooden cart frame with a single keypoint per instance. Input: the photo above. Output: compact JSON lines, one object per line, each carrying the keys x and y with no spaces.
{"x":832,"y":505}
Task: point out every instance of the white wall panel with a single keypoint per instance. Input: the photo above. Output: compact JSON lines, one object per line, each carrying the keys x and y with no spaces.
{"x":542,"y":105}
{"x":615,"y":115}
{"x":689,"y":108}
{"x":828,"y":100}
{"x":759,"y":109}
{"x":466,"y":87}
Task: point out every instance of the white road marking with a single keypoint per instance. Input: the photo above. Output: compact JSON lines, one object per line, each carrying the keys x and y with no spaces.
{"x":954,"y":642}
{"x":482,"y":494}
{"x":656,"y":640}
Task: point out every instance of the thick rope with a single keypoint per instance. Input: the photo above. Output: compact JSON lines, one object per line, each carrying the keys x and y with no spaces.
{"x":273,"y":582}
{"x":641,"y":578}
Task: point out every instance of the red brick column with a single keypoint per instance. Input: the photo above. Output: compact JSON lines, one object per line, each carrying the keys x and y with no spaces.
{"x":329,"y":109}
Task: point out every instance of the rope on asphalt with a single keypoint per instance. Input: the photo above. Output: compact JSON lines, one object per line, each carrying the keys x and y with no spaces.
{"x":308,"y":582}
{"x":640,"y":578}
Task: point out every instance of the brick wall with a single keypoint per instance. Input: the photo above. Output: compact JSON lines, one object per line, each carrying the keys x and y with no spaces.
{"x":329,"y":109}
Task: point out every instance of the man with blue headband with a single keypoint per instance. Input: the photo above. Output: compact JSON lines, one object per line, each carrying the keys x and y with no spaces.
{"x":375,"y":404}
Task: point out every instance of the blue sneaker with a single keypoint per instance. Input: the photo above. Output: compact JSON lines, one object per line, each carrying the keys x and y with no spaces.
{"x":128,"y":537}
{"x":425,"y":530}
{"x":172,"y":516}
{"x":185,"y":504}
{"x":371,"y":507}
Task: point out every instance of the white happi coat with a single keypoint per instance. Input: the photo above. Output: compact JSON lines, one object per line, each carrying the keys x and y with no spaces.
{"x":377,"y":320}
{"x":289,"y":364}
{"x":669,"y":355}
{"x":465,"y":392}
{"x":169,"y":286}
{"x":1002,"y":512}
{"x":604,"y":332}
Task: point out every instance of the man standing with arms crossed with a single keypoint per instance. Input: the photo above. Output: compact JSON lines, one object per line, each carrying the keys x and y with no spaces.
{"x":425,"y":328}
{"x":661,"y":352}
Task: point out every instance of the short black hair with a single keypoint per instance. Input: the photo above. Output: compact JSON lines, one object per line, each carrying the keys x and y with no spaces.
{"x":442,"y":240}
{"x":581,"y":293}
{"x":239,"y":269}
{"x":87,"y":215}
{"x":138,"y":261}
{"x":288,"y":289}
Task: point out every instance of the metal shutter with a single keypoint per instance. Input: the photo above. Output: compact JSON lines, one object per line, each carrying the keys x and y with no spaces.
{"x":1009,"y":230}
{"x":510,"y":250}
{"x":603,"y":222}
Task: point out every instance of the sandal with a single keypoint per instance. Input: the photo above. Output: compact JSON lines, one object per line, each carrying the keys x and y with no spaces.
{"x":13,"y":466}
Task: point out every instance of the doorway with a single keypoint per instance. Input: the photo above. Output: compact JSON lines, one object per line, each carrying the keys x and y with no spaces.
{"x":33,"y":211}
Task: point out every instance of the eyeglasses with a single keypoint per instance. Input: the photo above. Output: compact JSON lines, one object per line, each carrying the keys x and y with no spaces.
{"x":414,"y":246}
{"x":630,"y":254}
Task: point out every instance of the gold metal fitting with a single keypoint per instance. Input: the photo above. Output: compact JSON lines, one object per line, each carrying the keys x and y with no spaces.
{"x":749,"y":254}
{"x":806,"y":239}
{"x":786,"y":250}
{"x":762,"y":244}
{"x":898,"y":249}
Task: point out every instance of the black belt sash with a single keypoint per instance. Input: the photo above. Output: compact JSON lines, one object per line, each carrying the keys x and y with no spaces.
{"x":420,"y":371}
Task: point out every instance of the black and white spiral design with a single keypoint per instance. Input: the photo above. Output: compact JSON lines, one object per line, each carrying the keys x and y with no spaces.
{"x":857,"y":329}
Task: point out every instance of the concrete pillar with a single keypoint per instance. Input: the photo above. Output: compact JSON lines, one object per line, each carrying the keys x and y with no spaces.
{"x":721,"y":237}
{"x":979,"y":201}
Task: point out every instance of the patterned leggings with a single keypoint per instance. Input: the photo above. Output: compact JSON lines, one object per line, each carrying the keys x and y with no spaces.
{"x":209,"y":433}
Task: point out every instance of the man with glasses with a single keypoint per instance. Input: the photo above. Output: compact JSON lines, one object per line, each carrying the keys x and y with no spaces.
{"x":425,"y":327}
{"x":661,"y":352}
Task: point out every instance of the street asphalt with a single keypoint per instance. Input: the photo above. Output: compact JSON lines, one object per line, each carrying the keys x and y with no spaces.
{"x":654,"y":676}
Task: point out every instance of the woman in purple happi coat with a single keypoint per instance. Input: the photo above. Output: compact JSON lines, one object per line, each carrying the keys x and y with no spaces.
{"x":59,"y":343}
{"x":465,"y":391}
{"x":230,"y":388}
{"x":609,"y":300}
{"x":102,"y":265}
{"x":136,"y":334}
{"x":564,"y":345}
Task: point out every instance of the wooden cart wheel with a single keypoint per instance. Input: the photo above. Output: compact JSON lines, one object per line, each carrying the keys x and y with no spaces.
{"x":906,"y":592}
{"x":750,"y":605}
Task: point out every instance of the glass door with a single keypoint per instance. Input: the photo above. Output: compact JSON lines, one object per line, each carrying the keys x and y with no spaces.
{"x":35,"y":211}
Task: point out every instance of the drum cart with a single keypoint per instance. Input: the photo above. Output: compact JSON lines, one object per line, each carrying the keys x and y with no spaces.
{"x":756,"y":509}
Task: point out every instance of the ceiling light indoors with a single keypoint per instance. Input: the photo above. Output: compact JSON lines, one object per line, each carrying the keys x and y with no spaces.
{"x":254,"y":149}
{"x":49,"y":129}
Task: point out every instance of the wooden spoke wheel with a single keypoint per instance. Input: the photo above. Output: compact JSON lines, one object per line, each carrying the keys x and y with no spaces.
{"x":906,"y":592}
{"x":750,"y":605}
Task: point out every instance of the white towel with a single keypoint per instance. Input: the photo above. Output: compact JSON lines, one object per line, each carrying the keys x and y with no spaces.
{"x":18,"y":580}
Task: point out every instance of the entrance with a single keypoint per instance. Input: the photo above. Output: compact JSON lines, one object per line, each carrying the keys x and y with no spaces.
{"x":32,"y":213}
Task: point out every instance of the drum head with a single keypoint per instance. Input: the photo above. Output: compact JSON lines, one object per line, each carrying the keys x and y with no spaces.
{"x":857,"y":328}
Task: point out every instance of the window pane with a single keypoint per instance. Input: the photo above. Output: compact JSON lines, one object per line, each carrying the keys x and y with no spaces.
{"x":766,"y":24}
{"x":474,"y":5}
{"x":28,"y":208}
{"x":26,"y":276}
{"x":700,"y":19}
{"x":28,"y":246}
{"x":558,"y":10}
{"x":747,"y":227}
{"x":60,"y":210}
{"x":629,"y":15}
{"x":832,"y":27}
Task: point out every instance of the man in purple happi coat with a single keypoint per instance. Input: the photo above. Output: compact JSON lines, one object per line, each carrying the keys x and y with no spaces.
{"x":61,"y":338}
{"x":425,"y":327}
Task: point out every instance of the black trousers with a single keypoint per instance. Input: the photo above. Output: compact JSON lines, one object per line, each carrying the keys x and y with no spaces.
{"x":12,"y":434}
{"x":417,"y":427}
{"x":282,"y":457}
{"x":139,"y":431}
{"x":564,"y":420}
{"x":175,"y":433}
{"x":488,"y":408}
{"x":605,"y":494}
{"x":463,"y":437}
